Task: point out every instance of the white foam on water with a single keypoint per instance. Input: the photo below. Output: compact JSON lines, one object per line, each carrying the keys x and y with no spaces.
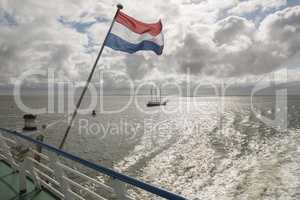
{"x":244,"y":159}
{"x":197,"y":170}
{"x":179,"y":124}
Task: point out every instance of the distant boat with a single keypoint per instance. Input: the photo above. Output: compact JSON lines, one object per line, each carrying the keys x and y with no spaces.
{"x":155,"y":100}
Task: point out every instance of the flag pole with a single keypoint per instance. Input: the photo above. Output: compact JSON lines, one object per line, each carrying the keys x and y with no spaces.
{"x":119,"y":7}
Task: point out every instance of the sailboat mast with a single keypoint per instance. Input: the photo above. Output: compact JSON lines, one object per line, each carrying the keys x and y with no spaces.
{"x":159,"y":94}
{"x":151,"y":95}
{"x":156,"y":99}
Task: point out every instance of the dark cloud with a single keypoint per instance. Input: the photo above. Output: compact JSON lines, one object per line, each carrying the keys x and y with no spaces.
{"x":194,"y":55}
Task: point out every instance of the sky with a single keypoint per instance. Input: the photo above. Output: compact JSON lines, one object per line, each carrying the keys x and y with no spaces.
{"x":209,"y":39}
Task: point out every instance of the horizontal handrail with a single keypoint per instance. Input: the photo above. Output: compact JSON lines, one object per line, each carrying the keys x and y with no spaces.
{"x":70,"y":181}
{"x":8,"y":140}
{"x":116,"y":175}
{"x":41,"y":155}
{"x":51,"y":189}
{"x":102,"y":185}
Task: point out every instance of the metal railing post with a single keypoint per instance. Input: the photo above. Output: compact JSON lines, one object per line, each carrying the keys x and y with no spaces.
{"x":30,"y":166}
{"x":66,"y":184}
{"x":119,"y":189}
{"x":22,"y":178}
{"x":60,"y":174}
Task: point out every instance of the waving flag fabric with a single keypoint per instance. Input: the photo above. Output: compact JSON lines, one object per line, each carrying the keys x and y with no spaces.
{"x":130,"y":35}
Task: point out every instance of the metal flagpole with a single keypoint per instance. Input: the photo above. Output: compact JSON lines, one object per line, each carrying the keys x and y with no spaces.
{"x":119,"y":6}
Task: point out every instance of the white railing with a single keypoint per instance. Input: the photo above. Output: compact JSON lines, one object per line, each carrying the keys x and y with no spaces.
{"x":53,"y":175}
{"x":48,"y":170}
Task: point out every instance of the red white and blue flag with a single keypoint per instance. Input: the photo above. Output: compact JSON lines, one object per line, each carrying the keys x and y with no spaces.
{"x":130,"y":35}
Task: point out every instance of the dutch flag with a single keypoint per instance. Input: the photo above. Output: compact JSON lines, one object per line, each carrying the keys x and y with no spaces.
{"x":130,"y":35}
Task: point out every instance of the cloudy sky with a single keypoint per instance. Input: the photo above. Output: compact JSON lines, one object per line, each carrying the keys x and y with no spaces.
{"x":213,"y":39}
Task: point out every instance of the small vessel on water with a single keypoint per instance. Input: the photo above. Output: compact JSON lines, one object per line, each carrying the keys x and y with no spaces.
{"x":156,"y":99}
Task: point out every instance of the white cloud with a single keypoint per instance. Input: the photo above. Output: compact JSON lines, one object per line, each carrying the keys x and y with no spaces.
{"x":283,"y":28}
{"x":233,"y":28}
{"x":196,"y":37}
{"x":38,"y":40}
{"x":249,"y":6}
{"x":239,"y":48}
